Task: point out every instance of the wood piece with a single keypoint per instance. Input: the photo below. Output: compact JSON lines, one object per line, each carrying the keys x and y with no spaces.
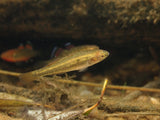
{"x":132,"y":113}
{"x":135,"y":94}
{"x":4,"y":72}
{"x":77,"y":19}
{"x":62,"y":80}
{"x":115,"y":104}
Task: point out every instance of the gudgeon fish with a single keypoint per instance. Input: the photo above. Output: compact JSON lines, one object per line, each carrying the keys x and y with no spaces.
{"x":70,"y":62}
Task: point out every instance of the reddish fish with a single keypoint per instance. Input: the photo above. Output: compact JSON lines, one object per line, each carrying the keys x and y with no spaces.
{"x":57,"y":51}
{"x":20,"y":54}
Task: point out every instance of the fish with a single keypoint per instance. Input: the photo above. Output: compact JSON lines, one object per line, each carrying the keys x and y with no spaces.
{"x":20,"y":54}
{"x":57,"y":50}
{"x":68,"y":45}
{"x":67,"y":52}
{"x":78,"y":61}
{"x":72,"y":51}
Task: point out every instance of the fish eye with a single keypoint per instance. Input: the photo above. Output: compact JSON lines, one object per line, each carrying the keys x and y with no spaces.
{"x":103,"y":56}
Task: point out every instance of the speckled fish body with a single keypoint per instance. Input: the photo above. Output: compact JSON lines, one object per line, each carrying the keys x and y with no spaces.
{"x":78,"y":49}
{"x":78,"y":61}
{"x":67,"y":53}
{"x":70,"y":52}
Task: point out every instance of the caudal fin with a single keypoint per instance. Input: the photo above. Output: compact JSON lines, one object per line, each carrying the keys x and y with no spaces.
{"x":27,"y":78}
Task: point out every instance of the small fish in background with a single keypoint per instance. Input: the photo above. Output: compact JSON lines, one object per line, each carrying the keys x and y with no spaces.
{"x":20,"y":54}
{"x":71,"y":49}
{"x":57,"y":51}
{"x":68,"y":45}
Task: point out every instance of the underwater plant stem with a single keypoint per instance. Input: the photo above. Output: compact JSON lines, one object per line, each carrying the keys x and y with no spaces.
{"x":133,"y":88}
{"x":10,"y":73}
{"x":87,"y":110}
{"x":108,"y":86}
{"x":131,"y":113}
{"x":16,"y":74}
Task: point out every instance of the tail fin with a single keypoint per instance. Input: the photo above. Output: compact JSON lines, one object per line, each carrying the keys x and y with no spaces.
{"x":27,"y":78}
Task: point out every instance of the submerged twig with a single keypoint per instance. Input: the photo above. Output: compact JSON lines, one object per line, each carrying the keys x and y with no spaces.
{"x":132,"y":113}
{"x":114,"y":104}
{"x":86,"y":111}
{"x":89,"y":83}
{"x":108,"y":86}
{"x":10,"y":73}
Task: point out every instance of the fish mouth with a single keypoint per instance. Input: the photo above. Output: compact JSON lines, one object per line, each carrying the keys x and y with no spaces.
{"x":105,"y":54}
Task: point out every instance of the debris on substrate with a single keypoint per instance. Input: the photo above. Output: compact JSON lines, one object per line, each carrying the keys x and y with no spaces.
{"x":53,"y":97}
{"x":68,"y":99}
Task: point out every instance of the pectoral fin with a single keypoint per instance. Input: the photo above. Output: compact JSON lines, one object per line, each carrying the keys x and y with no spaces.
{"x":83,"y":70}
